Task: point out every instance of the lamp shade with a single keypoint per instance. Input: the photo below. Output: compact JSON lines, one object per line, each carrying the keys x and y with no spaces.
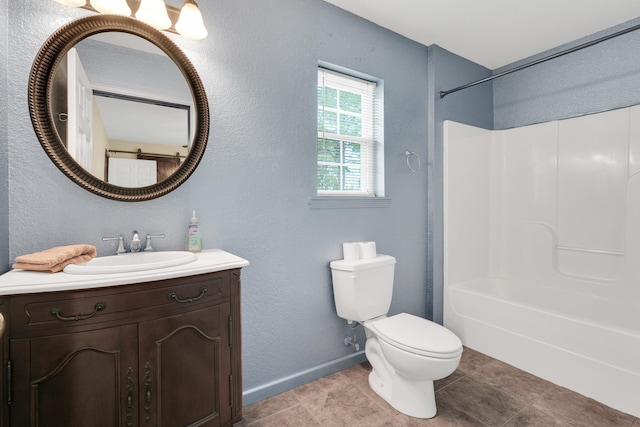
{"x":114,"y":7}
{"x":154,"y":13}
{"x":190,"y":23}
{"x":75,"y":3}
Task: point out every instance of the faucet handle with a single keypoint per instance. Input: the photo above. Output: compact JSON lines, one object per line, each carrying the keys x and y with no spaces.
{"x":120,"y":240}
{"x":147,"y":246}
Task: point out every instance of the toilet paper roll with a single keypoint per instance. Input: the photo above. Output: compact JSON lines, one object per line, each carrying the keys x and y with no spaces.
{"x":351,"y":251}
{"x":367,"y":250}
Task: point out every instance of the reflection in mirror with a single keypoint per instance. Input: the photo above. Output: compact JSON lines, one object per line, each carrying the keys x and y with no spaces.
{"x":166,"y":80}
{"x":131,"y":112}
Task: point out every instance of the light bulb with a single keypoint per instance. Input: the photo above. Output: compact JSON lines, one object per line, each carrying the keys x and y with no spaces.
{"x":74,"y":3}
{"x":154,"y":13}
{"x":113,"y":7}
{"x":190,"y":23}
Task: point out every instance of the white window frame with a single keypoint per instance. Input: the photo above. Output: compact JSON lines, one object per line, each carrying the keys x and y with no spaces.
{"x":366,"y":89}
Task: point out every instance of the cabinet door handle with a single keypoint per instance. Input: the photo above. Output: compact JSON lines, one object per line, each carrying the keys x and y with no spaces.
{"x":57,"y":311}
{"x":174,"y":296}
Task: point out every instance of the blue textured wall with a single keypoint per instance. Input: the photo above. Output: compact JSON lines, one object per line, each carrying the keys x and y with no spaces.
{"x":251,"y":190}
{"x":4,"y":130}
{"x":595,"y":79}
{"x":473,"y":107}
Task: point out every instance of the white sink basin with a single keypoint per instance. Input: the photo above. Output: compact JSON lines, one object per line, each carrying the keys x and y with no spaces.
{"x":128,"y":262}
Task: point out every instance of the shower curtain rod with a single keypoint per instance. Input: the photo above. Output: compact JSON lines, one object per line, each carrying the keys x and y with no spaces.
{"x":444,"y":93}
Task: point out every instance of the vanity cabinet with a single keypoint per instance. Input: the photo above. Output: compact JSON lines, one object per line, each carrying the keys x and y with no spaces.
{"x":162,"y":353}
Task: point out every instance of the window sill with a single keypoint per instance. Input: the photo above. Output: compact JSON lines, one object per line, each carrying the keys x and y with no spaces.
{"x":348,"y":202}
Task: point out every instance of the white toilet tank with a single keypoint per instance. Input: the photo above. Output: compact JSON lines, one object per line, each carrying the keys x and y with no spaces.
{"x":363,"y":288}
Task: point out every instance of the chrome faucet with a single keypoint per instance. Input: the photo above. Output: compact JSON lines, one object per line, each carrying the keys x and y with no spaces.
{"x":135,"y":242}
{"x":147,"y":246}
{"x":120,"y":240}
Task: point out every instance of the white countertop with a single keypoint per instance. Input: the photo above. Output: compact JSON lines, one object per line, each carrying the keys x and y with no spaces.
{"x":27,"y":282}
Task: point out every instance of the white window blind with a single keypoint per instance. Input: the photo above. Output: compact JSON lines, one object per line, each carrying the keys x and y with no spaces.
{"x":346,"y":135}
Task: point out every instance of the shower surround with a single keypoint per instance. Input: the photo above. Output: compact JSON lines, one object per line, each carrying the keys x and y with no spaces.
{"x":542,"y":249}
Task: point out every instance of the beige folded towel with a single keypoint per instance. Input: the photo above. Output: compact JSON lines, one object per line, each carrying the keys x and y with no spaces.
{"x":55,"y":259}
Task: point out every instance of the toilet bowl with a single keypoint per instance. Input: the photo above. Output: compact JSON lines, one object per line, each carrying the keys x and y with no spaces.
{"x":407,"y":353}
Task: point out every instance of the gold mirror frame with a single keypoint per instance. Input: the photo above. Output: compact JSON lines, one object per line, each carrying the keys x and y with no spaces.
{"x":40,"y":92}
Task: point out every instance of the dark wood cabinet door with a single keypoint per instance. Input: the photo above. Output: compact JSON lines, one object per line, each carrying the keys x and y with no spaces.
{"x":185,"y":369}
{"x":4,"y":359}
{"x":157,"y":354}
{"x":76,"y":379}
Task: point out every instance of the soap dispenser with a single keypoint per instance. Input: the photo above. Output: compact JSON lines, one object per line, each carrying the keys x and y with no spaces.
{"x":194,"y":239}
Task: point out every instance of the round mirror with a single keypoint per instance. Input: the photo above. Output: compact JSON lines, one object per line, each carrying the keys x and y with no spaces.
{"x":118,"y":108}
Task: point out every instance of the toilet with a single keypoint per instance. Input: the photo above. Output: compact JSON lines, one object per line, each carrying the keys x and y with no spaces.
{"x":407,"y":352}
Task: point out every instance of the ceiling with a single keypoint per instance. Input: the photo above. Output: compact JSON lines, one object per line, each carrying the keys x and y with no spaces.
{"x":494,"y":33}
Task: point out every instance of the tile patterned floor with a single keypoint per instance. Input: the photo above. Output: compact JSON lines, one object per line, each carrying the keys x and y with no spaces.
{"x":483,"y":392}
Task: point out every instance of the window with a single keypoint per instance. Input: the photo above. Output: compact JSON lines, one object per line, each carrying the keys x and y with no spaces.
{"x":346,"y":135}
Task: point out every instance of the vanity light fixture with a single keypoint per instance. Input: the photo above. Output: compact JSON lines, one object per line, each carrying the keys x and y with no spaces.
{"x":113,"y":7}
{"x":154,"y":13}
{"x":190,"y":23}
{"x":187,"y":21}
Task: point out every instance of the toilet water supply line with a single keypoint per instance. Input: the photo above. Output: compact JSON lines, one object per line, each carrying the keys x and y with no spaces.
{"x":353,"y":341}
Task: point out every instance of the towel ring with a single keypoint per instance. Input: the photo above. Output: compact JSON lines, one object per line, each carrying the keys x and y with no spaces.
{"x":409,"y":154}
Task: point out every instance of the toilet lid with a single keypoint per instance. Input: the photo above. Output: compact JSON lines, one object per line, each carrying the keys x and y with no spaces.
{"x":418,"y":335}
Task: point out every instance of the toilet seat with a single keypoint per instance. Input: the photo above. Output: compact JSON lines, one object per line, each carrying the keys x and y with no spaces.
{"x":417,"y":335}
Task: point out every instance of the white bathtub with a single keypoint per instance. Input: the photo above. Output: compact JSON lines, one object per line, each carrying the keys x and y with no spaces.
{"x":588,"y":344}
